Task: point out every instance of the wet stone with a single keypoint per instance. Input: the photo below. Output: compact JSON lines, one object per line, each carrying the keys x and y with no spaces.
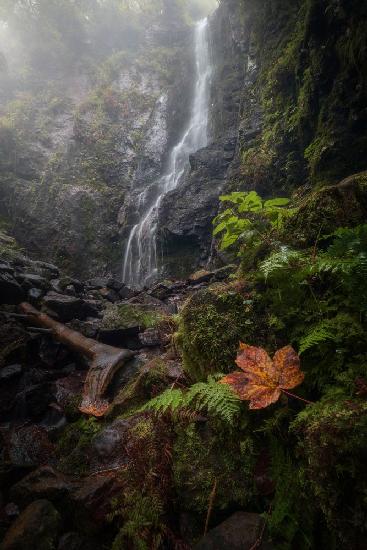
{"x":10,"y":372}
{"x":36,"y":527}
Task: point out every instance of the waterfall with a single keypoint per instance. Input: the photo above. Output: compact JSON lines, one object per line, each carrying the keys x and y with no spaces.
{"x":140,"y":264}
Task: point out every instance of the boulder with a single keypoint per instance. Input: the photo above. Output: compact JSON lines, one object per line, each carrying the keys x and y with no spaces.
{"x":70,"y":290}
{"x":326,"y":209}
{"x":109,"y":294}
{"x":66,"y":281}
{"x":201,"y":276}
{"x":30,"y":280}
{"x":33,"y":400}
{"x":37,"y":527}
{"x":10,"y":291}
{"x":68,"y":307}
{"x":92,"y":308}
{"x":161,"y":290}
{"x":151,"y":338}
{"x":34,"y":295}
{"x":126,"y":293}
{"x":29,"y":446}
{"x":241,"y":531}
{"x":43,"y":483}
{"x":115,"y":285}
{"x":97,"y":283}
{"x":121,"y":337}
{"x":92,"y":501}
{"x":47,"y":266}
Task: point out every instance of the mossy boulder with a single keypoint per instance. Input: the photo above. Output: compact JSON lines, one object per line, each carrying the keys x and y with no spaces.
{"x":324,"y":210}
{"x":204,"y":456}
{"x":74,"y":449}
{"x":213,"y":321}
{"x":333,"y":442}
{"x":127,"y":316}
{"x":153,"y":378}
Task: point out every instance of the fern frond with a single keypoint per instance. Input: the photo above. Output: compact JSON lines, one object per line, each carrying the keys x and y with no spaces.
{"x":170,"y":399}
{"x":318,"y":334}
{"x":328,"y":264}
{"x":218,"y":399}
{"x":211,"y":396}
{"x":279,"y":261}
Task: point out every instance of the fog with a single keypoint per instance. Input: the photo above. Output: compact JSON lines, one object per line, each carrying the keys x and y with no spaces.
{"x":50,"y":38}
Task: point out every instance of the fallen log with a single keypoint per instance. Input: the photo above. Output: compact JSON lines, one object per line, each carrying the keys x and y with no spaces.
{"x":104,"y":360}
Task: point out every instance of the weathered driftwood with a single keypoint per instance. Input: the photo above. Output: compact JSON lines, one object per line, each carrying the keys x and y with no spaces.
{"x":104,"y":360}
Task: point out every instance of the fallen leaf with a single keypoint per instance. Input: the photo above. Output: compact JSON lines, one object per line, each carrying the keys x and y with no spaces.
{"x":262,"y":380}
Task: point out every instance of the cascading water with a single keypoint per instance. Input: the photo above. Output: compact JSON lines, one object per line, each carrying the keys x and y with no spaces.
{"x":141,"y":260}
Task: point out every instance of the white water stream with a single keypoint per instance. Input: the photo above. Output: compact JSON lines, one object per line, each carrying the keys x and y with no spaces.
{"x":141,"y":262}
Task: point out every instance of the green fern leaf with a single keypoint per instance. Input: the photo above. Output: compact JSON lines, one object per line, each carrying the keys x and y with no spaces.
{"x":280,"y":261}
{"x":318,"y":334}
{"x":170,"y":399}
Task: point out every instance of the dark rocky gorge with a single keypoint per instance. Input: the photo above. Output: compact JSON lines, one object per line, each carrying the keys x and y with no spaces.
{"x":263,"y":100}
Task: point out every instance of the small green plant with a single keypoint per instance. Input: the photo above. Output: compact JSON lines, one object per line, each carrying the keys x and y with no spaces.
{"x":142,"y":522}
{"x":217,"y":400}
{"x":248,"y":217}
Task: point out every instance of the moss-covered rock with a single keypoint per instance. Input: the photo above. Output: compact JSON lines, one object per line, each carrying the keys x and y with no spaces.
{"x":332,"y":443}
{"x":310,"y":90}
{"x":323,"y":211}
{"x":213,"y":321}
{"x":121,"y":316}
{"x":74,"y":446}
{"x":153,"y":378}
{"x":204,"y":456}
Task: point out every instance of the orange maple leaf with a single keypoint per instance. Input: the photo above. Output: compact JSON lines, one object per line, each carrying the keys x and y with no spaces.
{"x":263,"y":380}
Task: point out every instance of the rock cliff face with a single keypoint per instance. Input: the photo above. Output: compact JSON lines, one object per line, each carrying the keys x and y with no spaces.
{"x":87,"y":143}
{"x":288,"y":110}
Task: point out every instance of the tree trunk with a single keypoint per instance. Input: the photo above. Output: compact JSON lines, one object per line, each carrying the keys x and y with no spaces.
{"x":104,"y":360}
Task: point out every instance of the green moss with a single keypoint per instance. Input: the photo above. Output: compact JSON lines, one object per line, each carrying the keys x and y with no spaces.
{"x":130,"y":315}
{"x":332,"y":442}
{"x":152,"y":379}
{"x":73,"y":448}
{"x":203,"y":455}
{"x":212,"y":323}
{"x":322,"y":212}
{"x":292,"y":519}
{"x":311,"y":88}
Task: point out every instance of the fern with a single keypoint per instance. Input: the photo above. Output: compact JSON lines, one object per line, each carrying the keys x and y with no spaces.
{"x":170,"y":399}
{"x":318,"y":334}
{"x":211,"y":396}
{"x":218,"y":399}
{"x":279,"y":261}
